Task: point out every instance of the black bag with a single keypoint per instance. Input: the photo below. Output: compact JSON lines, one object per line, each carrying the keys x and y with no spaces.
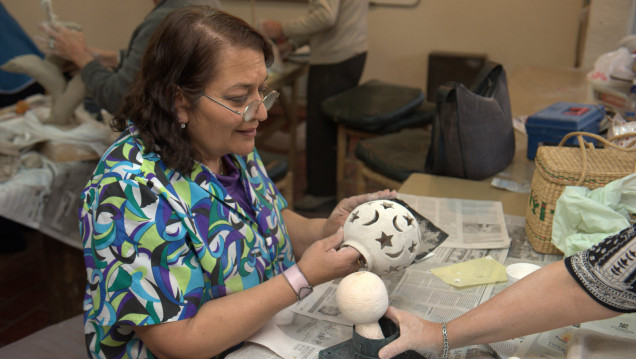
{"x":473,"y":136}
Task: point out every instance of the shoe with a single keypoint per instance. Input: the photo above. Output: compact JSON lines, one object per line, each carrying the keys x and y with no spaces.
{"x":312,"y":203}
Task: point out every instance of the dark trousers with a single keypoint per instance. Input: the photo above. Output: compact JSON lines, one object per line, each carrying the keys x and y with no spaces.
{"x":322,"y":132}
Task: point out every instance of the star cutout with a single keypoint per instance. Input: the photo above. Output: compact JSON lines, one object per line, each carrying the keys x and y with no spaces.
{"x":412,"y":247}
{"x":385,"y":240}
{"x":394,"y":269}
{"x":409,"y":219}
{"x":354,"y":216}
{"x":387,"y":205}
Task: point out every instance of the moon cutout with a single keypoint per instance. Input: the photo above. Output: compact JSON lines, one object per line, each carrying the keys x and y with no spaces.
{"x":375,"y":219}
{"x":395,"y":255}
{"x":395,"y":224}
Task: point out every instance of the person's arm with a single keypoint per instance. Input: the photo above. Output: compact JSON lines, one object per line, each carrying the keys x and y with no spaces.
{"x":107,"y":58}
{"x":320,"y":16}
{"x":542,"y":301}
{"x":224,"y":322}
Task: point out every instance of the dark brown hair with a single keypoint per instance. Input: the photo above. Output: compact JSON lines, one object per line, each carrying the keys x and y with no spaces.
{"x":183,"y":54}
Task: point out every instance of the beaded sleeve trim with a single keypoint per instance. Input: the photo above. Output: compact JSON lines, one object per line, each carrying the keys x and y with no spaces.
{"x":607,"y":271}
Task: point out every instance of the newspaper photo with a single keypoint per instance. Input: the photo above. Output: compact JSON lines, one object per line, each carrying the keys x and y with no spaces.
{"x":469,"y":223}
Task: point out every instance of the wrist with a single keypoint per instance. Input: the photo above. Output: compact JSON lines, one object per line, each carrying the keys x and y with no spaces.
{"x":445,"y":350}
{"x":298,"y":282}
{"x":83,"y":59}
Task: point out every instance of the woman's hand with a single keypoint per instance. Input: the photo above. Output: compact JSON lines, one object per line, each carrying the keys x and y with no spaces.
{"x":415,"y":334}
{"x":271,"y":28}
{"x":67,"y":44}
{"x":339,"y":215}
{"x":323,"y":262}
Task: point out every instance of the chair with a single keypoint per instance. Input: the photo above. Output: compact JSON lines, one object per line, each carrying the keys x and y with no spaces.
{"x":389,"y":160}
{"x":368,"y":110}
{"x":277,"y":168}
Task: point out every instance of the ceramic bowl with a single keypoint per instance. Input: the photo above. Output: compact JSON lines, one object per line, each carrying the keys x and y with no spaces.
{"x":516,"y":271}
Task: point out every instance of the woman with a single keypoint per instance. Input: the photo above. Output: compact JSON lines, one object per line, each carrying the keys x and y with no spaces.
{"x":594,"y":284}
{"x":188,"y":245}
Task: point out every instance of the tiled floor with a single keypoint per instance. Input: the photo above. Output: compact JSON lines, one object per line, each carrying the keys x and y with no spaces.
{"x":26,"y":305}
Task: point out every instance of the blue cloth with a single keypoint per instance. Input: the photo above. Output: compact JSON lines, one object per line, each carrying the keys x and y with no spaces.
{"x":13,"y":42}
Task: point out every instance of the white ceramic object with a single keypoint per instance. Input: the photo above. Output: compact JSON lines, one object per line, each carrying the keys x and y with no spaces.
{"x":385,"y":233}
{"x":516,"y":271}
{"x":362,"y":298}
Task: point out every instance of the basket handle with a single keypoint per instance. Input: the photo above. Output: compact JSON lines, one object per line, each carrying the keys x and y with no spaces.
{"x":582,"y":144}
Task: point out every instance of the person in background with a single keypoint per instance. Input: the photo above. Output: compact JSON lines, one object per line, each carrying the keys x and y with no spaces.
{"x":594,"y":284}
{"x":108,"y":74}
{"x":337,"y":35}
{"x":189,"y":246}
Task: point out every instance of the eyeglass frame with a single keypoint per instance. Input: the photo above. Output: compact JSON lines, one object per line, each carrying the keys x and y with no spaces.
{"x":257,"y":102}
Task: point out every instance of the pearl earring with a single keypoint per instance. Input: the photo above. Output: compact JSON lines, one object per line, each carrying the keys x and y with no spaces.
{"x":182,"y":126}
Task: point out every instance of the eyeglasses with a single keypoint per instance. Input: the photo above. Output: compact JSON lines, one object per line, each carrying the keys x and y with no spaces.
{"x":268,"y":97}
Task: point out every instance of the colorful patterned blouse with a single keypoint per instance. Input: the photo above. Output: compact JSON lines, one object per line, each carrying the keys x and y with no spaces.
{"x":158,"y":244}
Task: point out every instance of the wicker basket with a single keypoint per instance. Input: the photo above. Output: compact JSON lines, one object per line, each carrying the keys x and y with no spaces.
{"x":557,"y":167}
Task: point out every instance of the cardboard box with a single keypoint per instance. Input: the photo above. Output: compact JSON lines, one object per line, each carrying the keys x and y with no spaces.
{"x":549,"y":125}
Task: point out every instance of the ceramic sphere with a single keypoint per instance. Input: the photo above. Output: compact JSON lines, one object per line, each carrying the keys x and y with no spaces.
{"x":362,"y":297}
{"x":385,"y":233}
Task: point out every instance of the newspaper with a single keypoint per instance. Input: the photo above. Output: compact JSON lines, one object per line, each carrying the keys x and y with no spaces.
{"x":469,"y":223}
{"x":316,"y":323}
{"x":47,"y":198}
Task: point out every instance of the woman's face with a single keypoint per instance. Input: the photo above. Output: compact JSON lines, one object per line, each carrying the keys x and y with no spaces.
{"x":216,"y":131}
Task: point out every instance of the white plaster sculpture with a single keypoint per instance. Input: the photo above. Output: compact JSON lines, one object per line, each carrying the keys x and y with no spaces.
{"x":65,"y":96}
{"x":362,"y":298}
{"x":385,"y":233}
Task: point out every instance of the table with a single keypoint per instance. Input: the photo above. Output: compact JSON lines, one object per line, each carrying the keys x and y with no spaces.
{"x":531,"y":88}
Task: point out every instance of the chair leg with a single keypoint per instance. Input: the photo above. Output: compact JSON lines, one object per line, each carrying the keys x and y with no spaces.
{"x":341,"y":160}
{"x":369,"y":175}
{"x":286,"y":187}
{"x":361,"y":180}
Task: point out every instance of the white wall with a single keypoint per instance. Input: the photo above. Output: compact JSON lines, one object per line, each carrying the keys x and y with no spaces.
{"x":512,"y":32}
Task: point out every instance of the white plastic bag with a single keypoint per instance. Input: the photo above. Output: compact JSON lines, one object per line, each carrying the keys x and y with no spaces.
{"x":615,"y":63}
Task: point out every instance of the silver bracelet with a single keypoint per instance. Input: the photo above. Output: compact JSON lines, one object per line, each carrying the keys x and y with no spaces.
{"x":445,"y":344}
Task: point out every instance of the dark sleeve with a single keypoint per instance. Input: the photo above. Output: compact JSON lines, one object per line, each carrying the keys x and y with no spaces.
{"x":607,"y":271}
{"x":108,"y":88}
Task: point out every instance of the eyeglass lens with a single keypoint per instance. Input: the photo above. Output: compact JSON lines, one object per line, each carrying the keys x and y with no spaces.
{"x":268,"y":102}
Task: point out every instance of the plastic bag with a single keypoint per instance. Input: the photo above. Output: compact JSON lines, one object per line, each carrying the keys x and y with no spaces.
{"x":584,"y":217}
{"x":617,"y":64}
{"x":621,"y":132}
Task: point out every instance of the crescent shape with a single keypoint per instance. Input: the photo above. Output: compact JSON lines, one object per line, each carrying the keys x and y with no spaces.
{"x":395,"y":224}
{"x":375,"y":219}
{"x":395,"y":255}
{"x":236,"y":225}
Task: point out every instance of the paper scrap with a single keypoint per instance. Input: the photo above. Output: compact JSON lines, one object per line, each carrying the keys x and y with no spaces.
{"x":474,"y":272}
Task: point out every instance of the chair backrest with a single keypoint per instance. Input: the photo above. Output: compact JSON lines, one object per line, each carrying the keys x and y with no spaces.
{"x":473,"y":136}
{"x":451,"y":66}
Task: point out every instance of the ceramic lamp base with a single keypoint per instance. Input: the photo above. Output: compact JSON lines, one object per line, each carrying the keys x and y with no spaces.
{"x":359,"y":347}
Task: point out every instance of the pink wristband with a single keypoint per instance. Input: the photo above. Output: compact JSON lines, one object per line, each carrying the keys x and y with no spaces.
{"x":297,"y":281}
